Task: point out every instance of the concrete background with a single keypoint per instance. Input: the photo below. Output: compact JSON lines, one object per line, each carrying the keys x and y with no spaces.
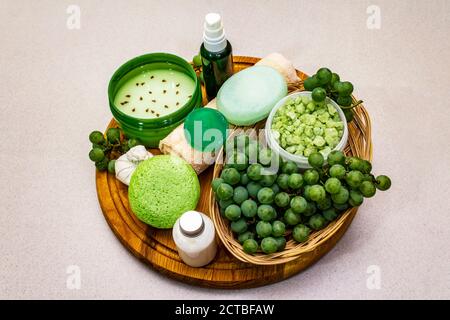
{"x":53,"y":84}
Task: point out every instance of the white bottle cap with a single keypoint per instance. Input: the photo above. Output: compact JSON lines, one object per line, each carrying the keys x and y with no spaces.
{"x":191,"y":223}
{"x":214,"y":33}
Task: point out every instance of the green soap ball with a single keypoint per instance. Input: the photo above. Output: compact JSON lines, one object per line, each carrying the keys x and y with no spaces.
{"x":336,"y":157}
{"x":250,"y":246}
{"x":319,"y":94}
{"x":245,"y":236}
{"x":344,"y":101}
{"x":341,"y":197}
{"x":253,"y":188}
{"x":332,"y":185}
{"x":266,"y":212}
{"x":233,"y":212}
{"x":324,"y":75}
{"x":282,"y":199}
{"x":216,"y":183}
{"x":281,"y":243}
{"x":292,"y":218}
{"x":366,"y":167}
{"x":311,"y":83}
{"x":266,"y":195}
{"x":161,"y":189}
{"x":298,"y":204}
{"x":102,"y":165}
{"x":225,"y":203}
{"x":224,"y":191}
{"x":112,"y":166}
{"x":238,"y":160}
{"x":244,"y":179}
{"x":289,"y":167}
{"x":269,"y":245}
{"x":330,"y":214}
{"x":367,"y":189}
{"x":240,"y":194}
{"x":295,"y":181}
{"x":197,"y":60}
{"x":278,"y":228}
{"x":96,"y":137}
{"x":301,"y":233}
{"x":383,"y":182}
{"x":337,"y":171}
{"x":113,"y":135}
{"x":349,"y":115}
{"x":341,"y":207}
{"x":317,"y":193}
{"x":275,"y":188}
{"x":354,"y":178}
{"x":311,"y":176}
{"x":316,"y":160}
{"x":325,"y":204}
{"x":239,"y":226}
{"x":249,"y":208}
{"x":356,"y":198}
{"x":268,"y":179}
{"x":254,"y":171}
{"x":231,"y":176}
{"x":317,"y":222}
{"x":133,"y":143}
{"x":96,"y":154}
{"x":263,"y":229}
{"x":310,"y":209}
{"x":282,"y":181}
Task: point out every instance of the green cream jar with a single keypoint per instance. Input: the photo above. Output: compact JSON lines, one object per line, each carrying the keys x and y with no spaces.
{"x":151,"y":95}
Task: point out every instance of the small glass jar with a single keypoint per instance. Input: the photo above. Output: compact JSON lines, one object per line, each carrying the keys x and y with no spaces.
{"x":151,"y":131}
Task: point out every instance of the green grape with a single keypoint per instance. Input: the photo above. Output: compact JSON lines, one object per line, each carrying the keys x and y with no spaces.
{"x":289,"y":167}
{"x":337,"y":86}
{"x":311,"y":208}
{"x":102,"y":165}
{"x":249,"y":208}
{"x":301,"y":233}
{"x":341,"y":206}
{"x":324,"y":204}
{"x":317,"y":222}
{"x":244,"y":179}
{"x":282,"y":199}
{"x":96,"y":154}
{"x":281,"y":243}
{"x":366,"y":167}
{"x":224,"y":191}
{"x":239,"y":226}
{"x":336,"y":157}
{"x":311,"y":83}
{"x":324,"y":75}
{"x":216,"y":183}
{"x":367,"y":189}
{"x":356,"y":198}
{"x":278,"y":228}
{"x":316,"y":160}
{"x":265,"y":156}
{"x":268,"y":179}
{"x":266,"y":212}
{"x":133,"y":143}
{"x":354,"y":178}
{"x":332,"y":185}
{"x":295,"y":181}
{"x":282,"y":181}
{"x":334,"y":78}
{"x":348,"y":115}
{"x":245,"y":236}
{"x":345,"y":89}
{"x":250,"y":246}
{"x":306,"y":190}
{"x":233,"y":212}
{"x":269,"y":245}
{"x":345,"y":101}
{"x":265,"y":195}
{"x":96,"y":137}
{"x":230,"y":176}
{"x":112,"y":166}
{"x":317,"y":193}
{"x":113,"y":135}
{"x":292,"y":218}
{"x":355,"y":163}
{"x":225,"y":203}
{"x":383,"y":182}
{"x":253,"y":188}
{"x":263,"y":229}
{"x":298,"y":204}
{"x":275,"y":188}
{"x":197,"y":60}
{"x":254,"y":171}
{"x":319,"y":94}
{"x":330,"y":214}
{"x":337,"y":171}
{"x":240,"y":194}
{"x":341,"y":197}
{"x":311,"y":176}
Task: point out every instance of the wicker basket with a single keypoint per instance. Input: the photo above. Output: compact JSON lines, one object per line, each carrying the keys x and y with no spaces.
{"x":359,"y":144}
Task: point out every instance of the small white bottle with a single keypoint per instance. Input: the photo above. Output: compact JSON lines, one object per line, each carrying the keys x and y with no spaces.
{"x":194,"y":236}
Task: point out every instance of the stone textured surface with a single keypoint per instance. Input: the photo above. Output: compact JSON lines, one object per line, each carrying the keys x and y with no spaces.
{"x":53,"y":93}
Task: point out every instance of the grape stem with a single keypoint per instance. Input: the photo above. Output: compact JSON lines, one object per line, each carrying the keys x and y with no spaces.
{"x":353,"y":105}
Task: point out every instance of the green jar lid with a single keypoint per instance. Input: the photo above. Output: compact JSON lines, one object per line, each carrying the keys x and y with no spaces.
{"x":205,"y":129}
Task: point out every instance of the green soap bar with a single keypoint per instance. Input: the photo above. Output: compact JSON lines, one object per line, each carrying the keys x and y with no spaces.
{"x":161,"y":189}
{"x":249,"y":95}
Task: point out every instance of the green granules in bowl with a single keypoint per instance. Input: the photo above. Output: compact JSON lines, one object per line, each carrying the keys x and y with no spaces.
{"x":161,"y":189}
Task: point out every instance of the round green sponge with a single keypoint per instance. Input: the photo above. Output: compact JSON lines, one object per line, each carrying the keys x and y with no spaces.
{"x":161,"y":189}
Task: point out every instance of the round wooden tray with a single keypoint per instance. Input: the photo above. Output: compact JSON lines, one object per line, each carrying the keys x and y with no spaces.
{"x":156,"y":247}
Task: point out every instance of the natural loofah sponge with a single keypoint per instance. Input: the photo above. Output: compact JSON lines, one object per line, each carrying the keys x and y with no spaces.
{"x":161,"y":189}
